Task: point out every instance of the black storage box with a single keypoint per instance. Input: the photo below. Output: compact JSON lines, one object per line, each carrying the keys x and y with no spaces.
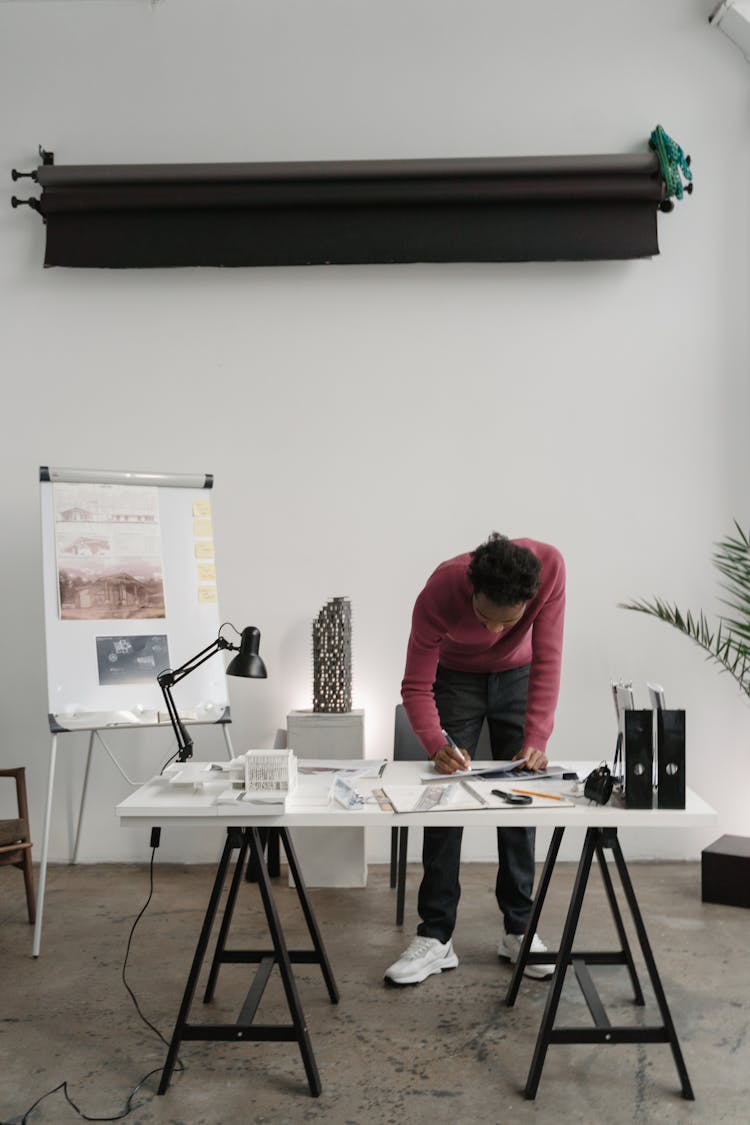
{"x":725,"y":871}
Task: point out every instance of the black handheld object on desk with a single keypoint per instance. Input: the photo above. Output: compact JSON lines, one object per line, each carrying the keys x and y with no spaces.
{"x":512,"y":798}
{"x":598,"y":785}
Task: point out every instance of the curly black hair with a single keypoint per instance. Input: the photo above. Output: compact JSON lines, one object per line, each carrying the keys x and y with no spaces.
{"x":504,"y":572}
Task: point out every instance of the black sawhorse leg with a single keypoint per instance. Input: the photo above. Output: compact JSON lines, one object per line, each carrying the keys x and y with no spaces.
{"x":269,"y":838}
{"x":399,"y":848}
{"x":597,"y":839}
{"x":244,"y":839}
{"x":315,"y":956}
{"x":524,"y":956}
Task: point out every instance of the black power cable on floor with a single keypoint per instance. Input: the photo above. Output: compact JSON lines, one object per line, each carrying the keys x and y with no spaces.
{"x":129,"y":1107}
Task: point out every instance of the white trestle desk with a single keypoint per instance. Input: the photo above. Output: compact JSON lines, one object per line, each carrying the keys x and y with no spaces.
{"x":159,"y":803}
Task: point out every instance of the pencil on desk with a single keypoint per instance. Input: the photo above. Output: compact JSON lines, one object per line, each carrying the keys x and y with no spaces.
{"x":531,"y":793}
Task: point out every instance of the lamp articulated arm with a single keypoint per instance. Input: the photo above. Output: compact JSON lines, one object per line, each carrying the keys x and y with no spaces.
{"x":166,"y":681}
{"x":184,"y":741}
{"x":248,"y":664}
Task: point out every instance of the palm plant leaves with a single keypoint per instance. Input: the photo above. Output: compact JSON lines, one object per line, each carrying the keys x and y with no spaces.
{"x":728,"y":645}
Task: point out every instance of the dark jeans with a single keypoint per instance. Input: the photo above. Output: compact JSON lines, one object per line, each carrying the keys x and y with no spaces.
{"x":464,"y":700}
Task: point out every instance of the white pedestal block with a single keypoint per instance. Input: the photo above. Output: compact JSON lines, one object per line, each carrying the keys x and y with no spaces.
{"x":329,"y":857}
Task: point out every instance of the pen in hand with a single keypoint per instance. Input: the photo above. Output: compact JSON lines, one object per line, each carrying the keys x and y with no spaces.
{"x":459,"y":756}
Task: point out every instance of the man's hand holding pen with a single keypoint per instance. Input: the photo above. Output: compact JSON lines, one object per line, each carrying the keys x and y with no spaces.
{"x":451,"y":759}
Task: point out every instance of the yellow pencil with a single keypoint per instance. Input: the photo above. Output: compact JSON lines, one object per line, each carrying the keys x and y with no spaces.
{"x":531,"y":793}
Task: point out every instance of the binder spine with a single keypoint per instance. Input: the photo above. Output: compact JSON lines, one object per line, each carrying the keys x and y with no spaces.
{"x":670,"y":754}
{"x":639,"y":759}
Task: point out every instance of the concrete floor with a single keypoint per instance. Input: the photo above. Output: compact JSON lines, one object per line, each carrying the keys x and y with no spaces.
{"x":446,"y":1051}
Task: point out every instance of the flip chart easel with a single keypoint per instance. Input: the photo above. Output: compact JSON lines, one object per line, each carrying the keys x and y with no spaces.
{"x":129,"y":577}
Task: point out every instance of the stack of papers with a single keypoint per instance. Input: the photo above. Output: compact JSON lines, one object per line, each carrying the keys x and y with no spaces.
{"x":490,"y":770}
{"x":273,"y":805}
{"x":313,"y":790}
{"x":359,"y":767}
{"x":316,"y":778}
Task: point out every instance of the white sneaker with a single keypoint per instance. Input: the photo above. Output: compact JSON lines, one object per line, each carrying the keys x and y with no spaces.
{"x":424,"y":957}
{"x":510,"y":948}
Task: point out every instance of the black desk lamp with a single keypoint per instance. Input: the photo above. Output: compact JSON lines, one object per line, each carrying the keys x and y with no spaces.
{"x":247,"y":663}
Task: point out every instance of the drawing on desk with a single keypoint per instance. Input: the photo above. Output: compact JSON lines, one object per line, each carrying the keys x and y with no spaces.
{"x":253,"y":803}
{"x":359,"y":767}
{"x":461,"y":796}
{"x":489,"y":795}
{"x":418,"y":798}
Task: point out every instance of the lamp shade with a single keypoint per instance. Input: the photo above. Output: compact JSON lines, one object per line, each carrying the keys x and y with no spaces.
{"x":248,"y":662}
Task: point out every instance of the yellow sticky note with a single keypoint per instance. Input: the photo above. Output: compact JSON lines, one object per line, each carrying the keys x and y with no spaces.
{"x":206,"y":572}
{"x":202,"y":509}
{"x":202,"y":529}
{"x":204,"y":548}
{"x":206,"y":594}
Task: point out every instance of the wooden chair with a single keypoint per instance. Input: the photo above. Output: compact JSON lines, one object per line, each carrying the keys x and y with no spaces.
{"x":15,"y":844}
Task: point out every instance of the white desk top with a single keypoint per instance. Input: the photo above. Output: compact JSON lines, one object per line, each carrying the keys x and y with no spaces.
{"x":158,"y":802}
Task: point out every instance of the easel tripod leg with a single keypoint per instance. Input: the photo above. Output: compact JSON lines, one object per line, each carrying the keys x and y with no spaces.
{"x":45,"y":850}
{"x":84,"y":789}
{"x":227,"y":741}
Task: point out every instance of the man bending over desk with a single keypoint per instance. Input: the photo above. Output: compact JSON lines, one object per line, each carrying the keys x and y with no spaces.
{"x":485,"y":643}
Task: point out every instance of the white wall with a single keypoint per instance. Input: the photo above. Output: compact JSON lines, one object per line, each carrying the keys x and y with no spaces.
{"x":364,"y":423}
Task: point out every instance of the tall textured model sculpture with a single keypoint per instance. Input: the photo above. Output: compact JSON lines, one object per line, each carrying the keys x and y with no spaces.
{"x":332,"y":657}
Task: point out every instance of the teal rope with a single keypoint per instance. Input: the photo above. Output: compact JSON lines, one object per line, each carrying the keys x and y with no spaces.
{"x":672,"y":162}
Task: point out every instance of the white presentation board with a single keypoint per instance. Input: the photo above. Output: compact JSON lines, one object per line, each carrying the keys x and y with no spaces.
{"x":129,"y":573}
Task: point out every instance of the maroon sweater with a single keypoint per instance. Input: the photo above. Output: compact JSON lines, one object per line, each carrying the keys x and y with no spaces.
{"x":445,"y":631}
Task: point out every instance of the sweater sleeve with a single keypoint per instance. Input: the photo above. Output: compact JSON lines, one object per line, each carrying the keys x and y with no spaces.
{"x":546,"y":661}
{"x":427,"y":632}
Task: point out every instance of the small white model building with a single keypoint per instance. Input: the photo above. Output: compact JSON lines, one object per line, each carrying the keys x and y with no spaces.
{"x":270,"y":773}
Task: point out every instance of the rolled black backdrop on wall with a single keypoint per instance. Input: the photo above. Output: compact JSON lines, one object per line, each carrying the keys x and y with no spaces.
{"x":504,"y":209}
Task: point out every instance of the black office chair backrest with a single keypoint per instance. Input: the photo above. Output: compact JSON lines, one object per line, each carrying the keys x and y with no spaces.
{"x":408,"y":748}
{"x":406,"y":745}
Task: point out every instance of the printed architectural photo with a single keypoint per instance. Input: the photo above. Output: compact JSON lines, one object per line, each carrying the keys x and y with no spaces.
{"x":108,"y":546}
{"x":97,"y":590}
{"x":131,"y":660}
